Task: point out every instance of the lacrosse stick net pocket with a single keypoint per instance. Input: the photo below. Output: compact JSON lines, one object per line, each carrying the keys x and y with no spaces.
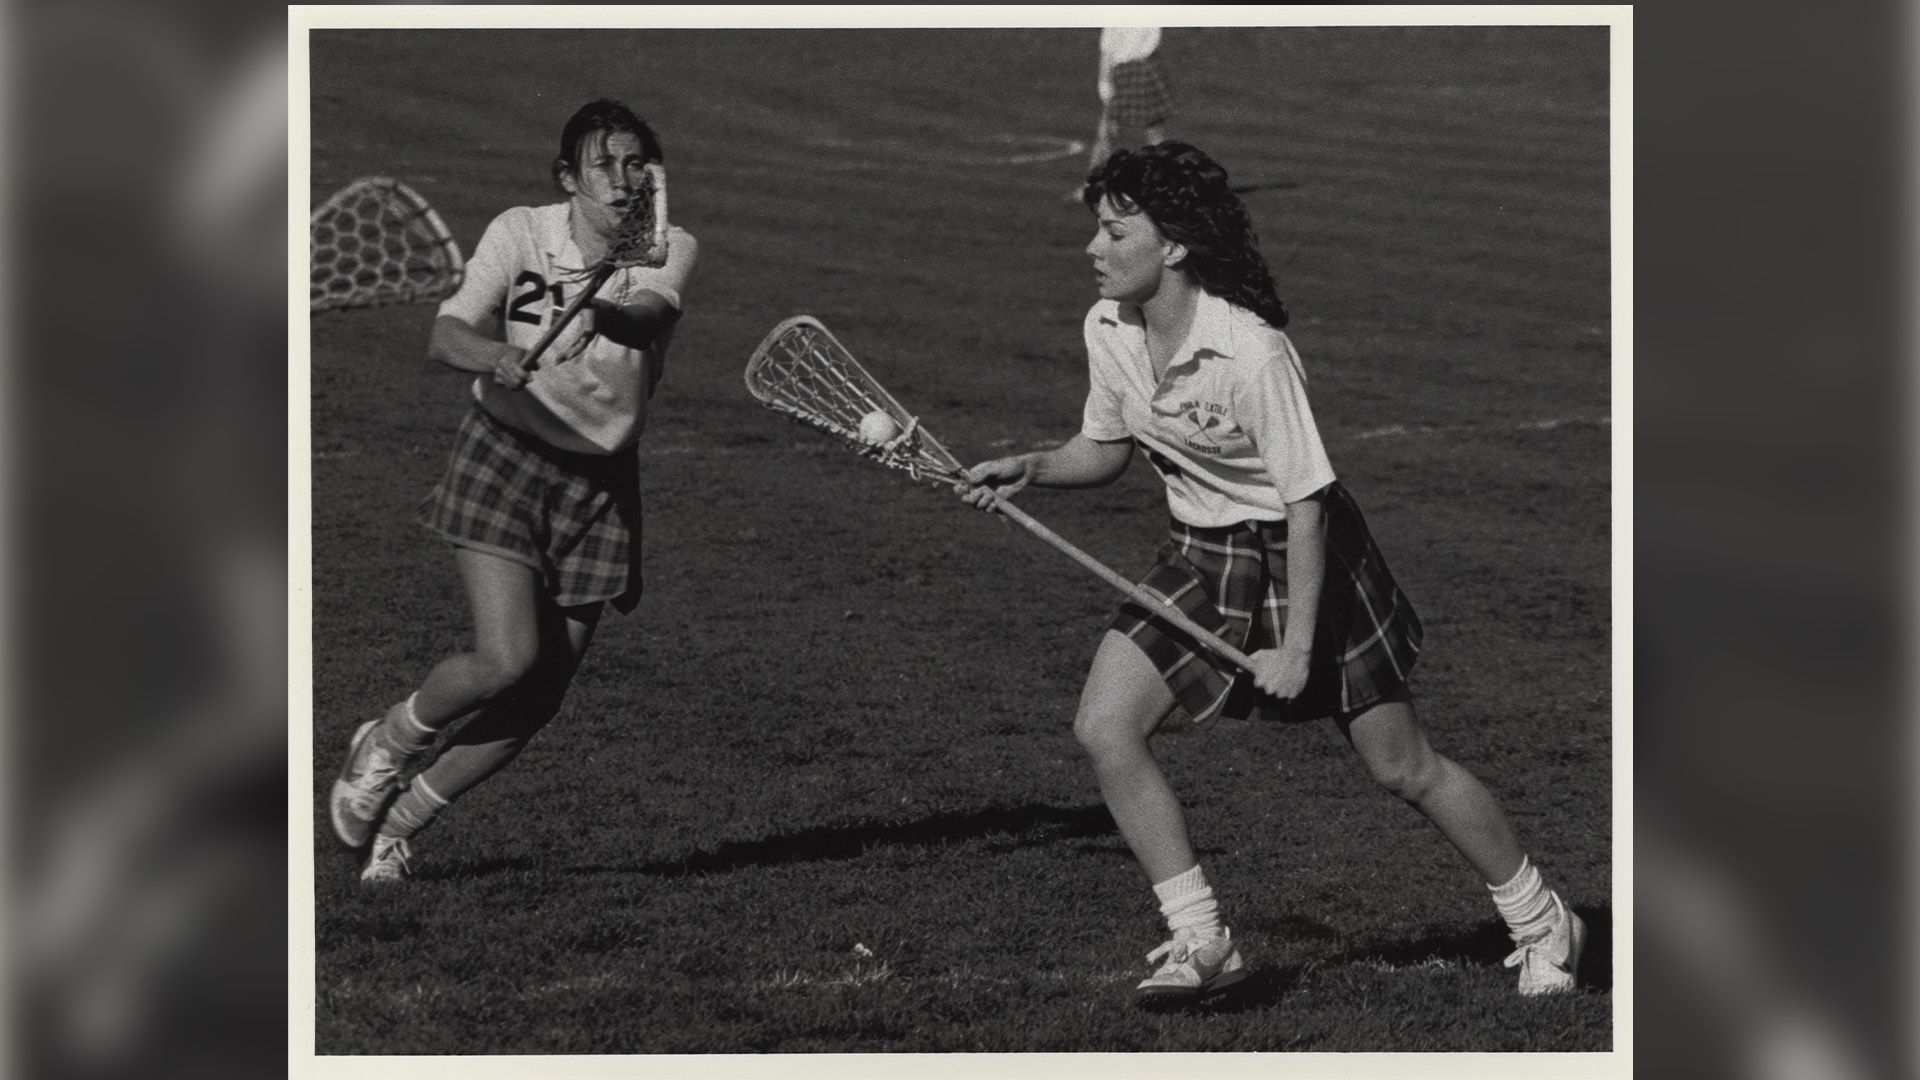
{"x":802,"y":370}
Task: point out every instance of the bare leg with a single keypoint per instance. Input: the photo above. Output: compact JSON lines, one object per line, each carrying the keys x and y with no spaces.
{"x":1104,"y":133}
{"x":504,"y":598}
{"x":1389,"y":739}
{"x":1124,"y":700}
{"x":505,"y":726}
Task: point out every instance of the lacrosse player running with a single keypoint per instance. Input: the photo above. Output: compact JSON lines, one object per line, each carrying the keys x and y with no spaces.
{"x":1187,"y":359}
{"x":541,"y":499}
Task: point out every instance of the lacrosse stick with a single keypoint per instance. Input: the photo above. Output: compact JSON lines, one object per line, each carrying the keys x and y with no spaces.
{"x":801,"y":370}
{"x":640,"y":240}
{"x":376,"y":241}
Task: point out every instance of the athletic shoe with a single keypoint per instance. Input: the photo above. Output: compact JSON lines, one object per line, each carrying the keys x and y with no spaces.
{"x":1549,"y":962}
{"x":388,"y":864}
{"x":368,"y":780}
{"x":1195,"y":967}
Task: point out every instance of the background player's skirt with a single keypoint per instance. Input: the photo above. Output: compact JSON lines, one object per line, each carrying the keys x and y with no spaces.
{"x":574,"y":518}
{"x":1140,"y":94}
{"x":1233,"y":581}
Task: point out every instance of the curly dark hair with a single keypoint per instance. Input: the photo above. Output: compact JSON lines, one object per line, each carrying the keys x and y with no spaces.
{"x":1185,"y":192}
{"x":595,"y":117}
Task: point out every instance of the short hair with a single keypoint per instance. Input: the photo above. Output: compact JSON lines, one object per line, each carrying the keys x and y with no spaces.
{"x":597,"y":117}
{"x":1186,"y":194}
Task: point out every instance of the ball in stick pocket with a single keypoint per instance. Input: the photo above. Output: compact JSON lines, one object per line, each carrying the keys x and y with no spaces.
{"x":878,"y":427}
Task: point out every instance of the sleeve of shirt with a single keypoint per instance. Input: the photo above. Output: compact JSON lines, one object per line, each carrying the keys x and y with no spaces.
{"x":1281,"y":425}
{"x":1102,"y":419}
{"x":489,"y":275}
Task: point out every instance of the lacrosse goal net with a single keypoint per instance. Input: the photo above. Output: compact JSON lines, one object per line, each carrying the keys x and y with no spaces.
{"x":376,"y":241}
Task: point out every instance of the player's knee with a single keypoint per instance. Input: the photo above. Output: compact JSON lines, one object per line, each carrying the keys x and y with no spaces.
{"x":502,"y":665}
{"x":1409,"y":774}
{"x":1104,"y":735}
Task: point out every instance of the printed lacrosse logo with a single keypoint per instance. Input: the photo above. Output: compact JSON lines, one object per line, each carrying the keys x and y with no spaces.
{"x":1210,"y":423}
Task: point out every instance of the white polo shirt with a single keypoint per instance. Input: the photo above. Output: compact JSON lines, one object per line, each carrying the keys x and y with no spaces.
{"x":522,"y":275}
{"x":1229,"y":428}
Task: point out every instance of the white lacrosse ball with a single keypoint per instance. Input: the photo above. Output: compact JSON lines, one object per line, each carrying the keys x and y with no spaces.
{"x":877,"y":427}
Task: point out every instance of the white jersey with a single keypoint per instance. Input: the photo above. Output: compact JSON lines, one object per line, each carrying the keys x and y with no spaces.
{"x":522,"y":275}
{"x":1228,"y":427}
{"x":1123,"y":45}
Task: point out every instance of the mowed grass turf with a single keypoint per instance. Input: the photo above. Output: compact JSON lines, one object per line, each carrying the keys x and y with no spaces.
{"x":820,"y":792}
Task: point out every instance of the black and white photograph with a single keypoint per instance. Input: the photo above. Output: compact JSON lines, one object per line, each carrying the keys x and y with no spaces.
{"x":887,"y":531}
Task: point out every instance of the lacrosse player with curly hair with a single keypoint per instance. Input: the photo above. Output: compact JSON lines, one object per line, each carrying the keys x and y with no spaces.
{"x":541,"y":496}
{"x":1188,"y":360}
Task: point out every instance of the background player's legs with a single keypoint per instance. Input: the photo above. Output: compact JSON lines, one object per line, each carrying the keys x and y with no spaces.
{"x":1104,"y":133}
{"x":1389,"y":739}
{"x":1124,"y":700}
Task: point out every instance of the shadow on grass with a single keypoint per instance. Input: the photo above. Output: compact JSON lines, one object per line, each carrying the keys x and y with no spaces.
{"x":1485,"y":945}
{"x":1023,"y":826}
{"x":1026,"y":826}
{"x":1262,"y":989}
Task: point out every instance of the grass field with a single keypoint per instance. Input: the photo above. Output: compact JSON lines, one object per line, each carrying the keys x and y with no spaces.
{"x":820,"y":793}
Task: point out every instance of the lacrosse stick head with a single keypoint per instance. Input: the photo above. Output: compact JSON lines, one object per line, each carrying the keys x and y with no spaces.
{"x":802,"y":370}
{"x":641,"y":237}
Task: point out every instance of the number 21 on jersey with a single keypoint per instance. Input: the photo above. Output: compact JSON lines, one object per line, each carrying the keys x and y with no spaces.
{"x":530,"y":288}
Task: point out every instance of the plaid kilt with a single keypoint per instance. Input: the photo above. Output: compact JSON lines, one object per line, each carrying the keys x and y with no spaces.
{"x":574,"y":518}
{"x":1233,"y":581}
{"x":1140,"y":94}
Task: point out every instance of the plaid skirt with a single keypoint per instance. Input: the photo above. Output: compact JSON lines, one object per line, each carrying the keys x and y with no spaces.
{"x":574,"y":518}
{"x":1140,"y":94}
{"x":1233,"y":581}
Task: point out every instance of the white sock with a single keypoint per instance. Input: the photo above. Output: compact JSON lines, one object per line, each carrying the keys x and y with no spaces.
{"x":413,"y":811}
{"x":1186,"y":900}
{"x":1525,"y":902}
{"x":404,"y":729}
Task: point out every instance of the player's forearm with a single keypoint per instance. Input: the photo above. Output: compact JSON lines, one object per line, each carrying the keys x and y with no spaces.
{"x":636,"y":325}
{"x":458,"y":345}
{"x":1080,"y":463}
{"x":1306,"y":571}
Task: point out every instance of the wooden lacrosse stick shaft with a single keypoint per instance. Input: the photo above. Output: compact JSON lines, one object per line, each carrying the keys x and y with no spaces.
{"x":1151,"y":602}
{"x":599,"y":278}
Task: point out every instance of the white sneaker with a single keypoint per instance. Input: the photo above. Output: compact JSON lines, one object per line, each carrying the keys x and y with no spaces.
{"x":1195,"y":967}
{"x":388,"y":864}
{"x":369,"y":779}
{"x":1549,"y":962}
